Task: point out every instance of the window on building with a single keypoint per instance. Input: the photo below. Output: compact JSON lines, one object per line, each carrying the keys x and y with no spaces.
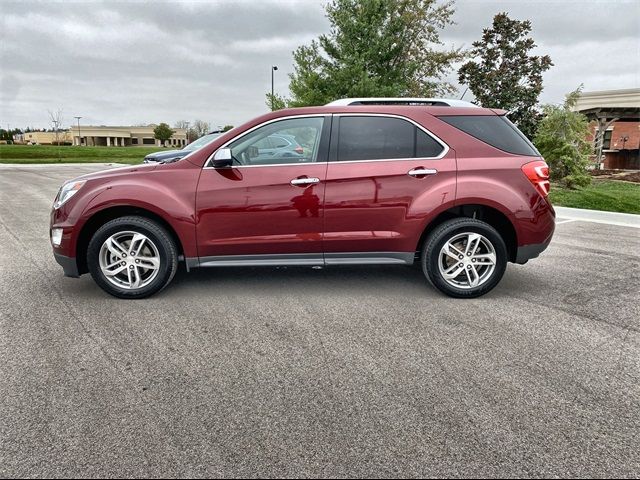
{"x":148,"y":141}
{"x":606,"y":143}
{"x":134,"y":141}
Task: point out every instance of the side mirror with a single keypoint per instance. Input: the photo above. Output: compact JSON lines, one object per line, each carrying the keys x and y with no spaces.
{"x":222,"y":158}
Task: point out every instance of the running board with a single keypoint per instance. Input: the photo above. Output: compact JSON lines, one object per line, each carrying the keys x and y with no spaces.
{"x":303,"y":259}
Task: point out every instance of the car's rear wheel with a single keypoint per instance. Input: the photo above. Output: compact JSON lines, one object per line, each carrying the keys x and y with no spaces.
{"x":464,"y":258}
{"x":132,"y":257}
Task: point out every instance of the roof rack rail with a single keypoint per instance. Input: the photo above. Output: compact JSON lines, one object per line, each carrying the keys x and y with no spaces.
{"x":429,"y":102}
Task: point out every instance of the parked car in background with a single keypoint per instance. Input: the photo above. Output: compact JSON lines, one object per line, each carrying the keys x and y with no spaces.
{"x":276,"y":146}
{"x":164,"y":156}
{"x":456,"y":188}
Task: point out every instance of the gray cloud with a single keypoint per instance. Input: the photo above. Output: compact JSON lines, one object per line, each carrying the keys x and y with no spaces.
{"x":134,"y":62}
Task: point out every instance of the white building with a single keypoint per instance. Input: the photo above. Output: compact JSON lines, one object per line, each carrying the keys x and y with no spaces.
{"x":106,"y":136}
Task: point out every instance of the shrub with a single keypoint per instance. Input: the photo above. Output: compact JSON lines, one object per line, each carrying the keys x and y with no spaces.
{"x":561,"y":139}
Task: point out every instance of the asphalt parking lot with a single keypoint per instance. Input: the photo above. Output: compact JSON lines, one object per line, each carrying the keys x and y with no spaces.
{"x":263,"y":372}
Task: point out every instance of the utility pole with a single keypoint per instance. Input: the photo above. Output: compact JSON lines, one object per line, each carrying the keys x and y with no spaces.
{"x":273,"y":69}
{"x":79,"y":134}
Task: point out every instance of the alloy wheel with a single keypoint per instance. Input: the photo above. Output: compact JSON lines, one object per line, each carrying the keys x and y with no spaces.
{"x":129,"y":260}
{"x":467,"y":260}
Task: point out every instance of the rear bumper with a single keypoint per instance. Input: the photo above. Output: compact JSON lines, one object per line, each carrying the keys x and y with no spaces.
{"x":68,"y":264}
{"x":527,"y":252}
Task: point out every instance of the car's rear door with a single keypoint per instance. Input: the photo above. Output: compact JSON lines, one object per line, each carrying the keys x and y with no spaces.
{"x":386,"y":176}
{"x":266,"y":210}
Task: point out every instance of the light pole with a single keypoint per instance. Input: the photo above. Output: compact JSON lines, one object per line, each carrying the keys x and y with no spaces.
{"x":273,"y":69}
{"x":79,"y":135}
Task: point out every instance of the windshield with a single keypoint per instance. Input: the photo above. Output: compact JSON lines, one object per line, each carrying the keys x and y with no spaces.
{"x":202,"y":141}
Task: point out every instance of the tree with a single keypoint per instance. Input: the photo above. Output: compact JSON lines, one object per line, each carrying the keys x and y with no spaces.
{"x":562,"y":141}
{"x":56,"y":119}
{"x":502,"y":74}
{"x":163,"y":132}
{"x":200,"y":128}
{"x":7,"y":135}
{"x":277,"y":102}
{"x":375,"y":48}
{"x":226,"y":128}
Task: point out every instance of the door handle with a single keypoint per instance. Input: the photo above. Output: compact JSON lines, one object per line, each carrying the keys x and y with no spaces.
{"x":420,"y":171}
{"x":296,"y":182}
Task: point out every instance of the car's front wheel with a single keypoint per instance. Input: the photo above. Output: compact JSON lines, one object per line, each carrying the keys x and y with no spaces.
{"x":132,"y":257}
{"x":464,"y":258}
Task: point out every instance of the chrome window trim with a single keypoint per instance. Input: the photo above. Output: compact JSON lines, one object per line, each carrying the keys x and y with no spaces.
{"x":444,"y":152}
{"x":273,"y":120}
{"x":445,"y":147}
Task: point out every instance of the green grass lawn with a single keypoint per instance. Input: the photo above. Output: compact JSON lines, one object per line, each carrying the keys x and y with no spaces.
{"x":71,"y":154}
{"x":606,"y":195}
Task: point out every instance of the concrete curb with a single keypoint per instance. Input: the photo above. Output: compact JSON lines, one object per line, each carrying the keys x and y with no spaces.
{"x":598,"y":216}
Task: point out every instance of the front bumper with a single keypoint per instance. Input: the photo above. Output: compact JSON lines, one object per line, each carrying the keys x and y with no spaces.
{"x":68,"y":264}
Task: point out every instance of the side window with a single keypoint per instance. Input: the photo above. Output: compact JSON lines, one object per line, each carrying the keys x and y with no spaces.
{"x":279,"y":142}
{"x":374,"y":138}
{"x":426,"y":145}
{"x":383,"y":138}
{"x":295,"y":140}
{"x":263,"y":144}
{"x":494,"y":130}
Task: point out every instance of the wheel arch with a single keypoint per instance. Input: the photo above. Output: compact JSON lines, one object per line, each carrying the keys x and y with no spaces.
{"x":105,"y":215}
{"x":491,"y":215}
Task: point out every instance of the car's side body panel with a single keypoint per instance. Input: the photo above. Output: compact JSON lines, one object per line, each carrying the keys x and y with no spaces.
{"x":376,"y":206}
{"x":167,"y":192}
{"x":256,"y":210}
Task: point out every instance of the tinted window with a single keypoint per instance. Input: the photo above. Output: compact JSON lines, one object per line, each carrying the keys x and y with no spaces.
{"x":381,"y":138}
{"x":426,"y":145}
{"x":263,"y":144}
{"x":250,"y":149}
{"x":278,"y":142}
{"x":373,"y":138}
{"x":495,"y":130}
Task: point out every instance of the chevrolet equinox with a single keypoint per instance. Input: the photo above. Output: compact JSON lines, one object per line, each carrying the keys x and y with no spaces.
{"x":451,"y":186}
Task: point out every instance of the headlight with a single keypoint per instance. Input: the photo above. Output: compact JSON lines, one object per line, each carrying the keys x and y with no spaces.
{"x":67,"y":191}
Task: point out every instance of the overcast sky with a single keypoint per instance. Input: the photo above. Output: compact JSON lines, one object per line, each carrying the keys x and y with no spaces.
{"x":131,"y":62}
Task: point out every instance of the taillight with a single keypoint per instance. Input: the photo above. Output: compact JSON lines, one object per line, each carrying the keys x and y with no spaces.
{"x":538,"y":174}
{"x":299,"y":150}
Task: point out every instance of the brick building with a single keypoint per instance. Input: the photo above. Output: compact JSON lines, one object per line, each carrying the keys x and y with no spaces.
{"x":615,"y":116}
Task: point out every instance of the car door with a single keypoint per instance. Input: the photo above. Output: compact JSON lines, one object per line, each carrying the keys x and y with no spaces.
{"x":386,"y":176}
{"x":265,"y":210}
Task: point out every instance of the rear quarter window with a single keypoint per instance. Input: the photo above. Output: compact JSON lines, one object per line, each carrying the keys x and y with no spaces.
{"x":494,"y":130}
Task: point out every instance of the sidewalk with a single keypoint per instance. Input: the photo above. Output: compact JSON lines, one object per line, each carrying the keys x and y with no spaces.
{"x":597,"y":216}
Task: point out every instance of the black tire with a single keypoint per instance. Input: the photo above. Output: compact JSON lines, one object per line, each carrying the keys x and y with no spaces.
{"x":447,"y":231}
{"x":162,"y":240}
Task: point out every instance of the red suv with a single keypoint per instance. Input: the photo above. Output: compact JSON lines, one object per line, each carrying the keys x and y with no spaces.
{"x":458,"y":189}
